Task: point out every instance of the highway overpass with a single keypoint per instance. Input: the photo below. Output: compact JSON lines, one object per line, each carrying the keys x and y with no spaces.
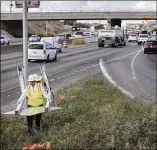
{"x":81,"y":16}
{"x":12,"y":22}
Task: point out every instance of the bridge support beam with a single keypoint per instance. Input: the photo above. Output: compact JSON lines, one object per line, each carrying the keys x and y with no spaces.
{"x":115,"y":22}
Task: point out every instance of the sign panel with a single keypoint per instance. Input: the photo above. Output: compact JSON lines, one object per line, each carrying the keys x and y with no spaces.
{"x":30,"y":4}
{"x":146,"y":17}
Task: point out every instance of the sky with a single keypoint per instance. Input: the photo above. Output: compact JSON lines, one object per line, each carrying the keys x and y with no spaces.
{"x":46,"y":6}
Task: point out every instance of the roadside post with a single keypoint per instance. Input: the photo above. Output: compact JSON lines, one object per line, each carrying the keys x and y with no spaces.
{"x":25,"y":41}
{"x":25,"y":5}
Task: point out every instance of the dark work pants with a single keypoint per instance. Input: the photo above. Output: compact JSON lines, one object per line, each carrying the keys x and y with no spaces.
{"x":30,"y":120}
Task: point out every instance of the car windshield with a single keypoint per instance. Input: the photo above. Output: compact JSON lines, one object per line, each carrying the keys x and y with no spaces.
{"x":35,"y":46}
{"x":1,"y":37}
{"x":133,"y":35}
{"x":33,"y":37}
{"x":60,"y":36}
{"x":79,"y":33}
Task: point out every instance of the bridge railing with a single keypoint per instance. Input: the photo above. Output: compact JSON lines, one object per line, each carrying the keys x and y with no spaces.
{"x":38,"y":11}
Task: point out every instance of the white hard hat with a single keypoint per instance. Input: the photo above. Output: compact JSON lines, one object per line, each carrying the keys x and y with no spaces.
{"x":31,"y":78}
{"x":35,"y":75}
{"x":39,"y":78}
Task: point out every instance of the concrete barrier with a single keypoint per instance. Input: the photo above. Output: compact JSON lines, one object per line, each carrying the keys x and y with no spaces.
{"x":11,"y":48}
{"x":90,"y":40}
{"x":19,"y":48}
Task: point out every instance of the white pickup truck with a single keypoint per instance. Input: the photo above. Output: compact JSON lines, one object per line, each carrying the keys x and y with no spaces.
{"x":142,"y":38}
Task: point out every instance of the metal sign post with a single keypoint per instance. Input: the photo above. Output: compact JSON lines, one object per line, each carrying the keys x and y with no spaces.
{"x":25,"y":42}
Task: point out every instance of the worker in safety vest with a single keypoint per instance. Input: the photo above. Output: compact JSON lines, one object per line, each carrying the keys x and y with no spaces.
{"x":35,"y":95}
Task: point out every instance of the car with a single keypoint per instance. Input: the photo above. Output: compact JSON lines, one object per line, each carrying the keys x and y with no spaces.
{"x":142,"y":38}
{"x":63,"y":36}
{"x":87,"y":34}
{"x":78,"y":34}
{"x":41,"y":51}
{"x":34,"y":38}
{"x":54,"y":41}
{"x":150,"y":46}
{"x":132,"y":37}
{"x":4,"y":40}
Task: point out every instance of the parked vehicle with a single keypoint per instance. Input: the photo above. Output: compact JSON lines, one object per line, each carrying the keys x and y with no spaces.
{"x":112,"y":37}
{"x":41,"y":51}
{"x":142,"y":38}
{"x":53,"y":41}
{"x":34,"y":38}
{"x":150,"y":45}
{"x":4,"y":40}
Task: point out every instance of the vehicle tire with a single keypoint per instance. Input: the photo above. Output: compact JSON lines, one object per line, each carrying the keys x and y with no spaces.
{"x":48,"y":59}
{"x":29,"y":60}
{"x":113,"y":44}
{"x":100,"y":45}
{"x":124,"y":44}
{"x":55,"y":59}
{"x":8,"y":43}
{"x":128,"y":41}
{"x":60,"y":50}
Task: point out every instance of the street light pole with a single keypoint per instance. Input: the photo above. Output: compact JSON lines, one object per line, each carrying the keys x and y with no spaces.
{"x":11,"y":5}
{"x":25,"y":42}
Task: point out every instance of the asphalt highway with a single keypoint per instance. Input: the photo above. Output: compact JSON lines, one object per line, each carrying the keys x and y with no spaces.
{"x":127,"y":66}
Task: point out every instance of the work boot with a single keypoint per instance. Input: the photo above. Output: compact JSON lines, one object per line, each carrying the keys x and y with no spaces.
{"x":30,"y":132}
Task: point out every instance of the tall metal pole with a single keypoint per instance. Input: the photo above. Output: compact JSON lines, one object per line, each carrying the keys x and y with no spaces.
{"x":25,"y":42}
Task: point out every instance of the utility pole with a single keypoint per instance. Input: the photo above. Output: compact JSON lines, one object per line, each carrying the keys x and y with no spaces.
{"x":25,"y":41}
{"x":11,"y":5}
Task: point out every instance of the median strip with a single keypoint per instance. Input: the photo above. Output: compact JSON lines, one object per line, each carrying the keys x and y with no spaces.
{"x":95,"y":115}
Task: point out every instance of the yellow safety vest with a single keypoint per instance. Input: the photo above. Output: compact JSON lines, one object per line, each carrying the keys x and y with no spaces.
{"x":35,"y":98}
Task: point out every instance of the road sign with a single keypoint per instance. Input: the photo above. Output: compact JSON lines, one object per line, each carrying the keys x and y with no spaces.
{"x":146,"y":17}
{"x":30,"y":4}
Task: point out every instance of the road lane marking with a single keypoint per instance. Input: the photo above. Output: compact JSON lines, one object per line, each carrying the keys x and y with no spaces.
{"x":69,"y":74}
{"x":63,"y":76}
{"x":133,"y":66}
{"x":105,"y":73}
{"x":134,"y":74}
{"x":10,"y":88}
{"x":52,"y":79}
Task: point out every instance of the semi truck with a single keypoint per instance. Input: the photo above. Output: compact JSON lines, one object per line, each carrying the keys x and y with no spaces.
{"x":111,"y":37}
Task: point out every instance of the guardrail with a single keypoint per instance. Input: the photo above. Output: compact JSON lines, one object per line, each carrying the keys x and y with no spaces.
{"x":81,"y":11}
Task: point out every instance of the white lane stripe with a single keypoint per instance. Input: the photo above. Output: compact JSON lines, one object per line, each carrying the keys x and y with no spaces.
{"x":121,"y":57}
{"x":52,"y":79}
{"x":10,"y":88}
{"x":133,"y":66}
{"x":57,"y":72}
{"x":112,"y":81}
{"x":69,"y":74}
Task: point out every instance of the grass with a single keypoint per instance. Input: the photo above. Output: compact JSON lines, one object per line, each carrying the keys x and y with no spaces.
{"x":95,"y":115}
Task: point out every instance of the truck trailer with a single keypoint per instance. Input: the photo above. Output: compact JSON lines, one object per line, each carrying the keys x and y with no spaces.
{"x":111,"y":37}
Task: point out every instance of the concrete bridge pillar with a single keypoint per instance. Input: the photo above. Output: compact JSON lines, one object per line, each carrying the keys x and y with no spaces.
{"x":114,"y":22}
